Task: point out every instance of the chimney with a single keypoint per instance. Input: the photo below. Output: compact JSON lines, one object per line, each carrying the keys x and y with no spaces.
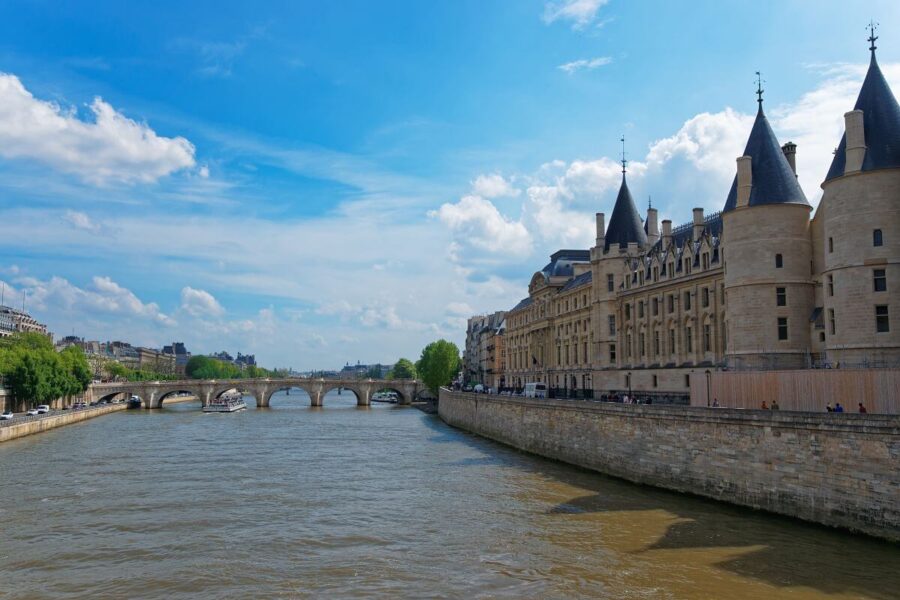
{"x":790,"y":153}
{"x":632,"y":248}
{"x":667,"y":233}
{"x":698,"y":223}
{"x":601,"y":228}
{"x":856,"y":141}
{"x":744,"y":180}
{"x":652,"y":226}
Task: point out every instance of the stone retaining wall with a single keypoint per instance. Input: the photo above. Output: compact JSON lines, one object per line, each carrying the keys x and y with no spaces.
{"x":841,"y":470}
{"x":30,"y":426}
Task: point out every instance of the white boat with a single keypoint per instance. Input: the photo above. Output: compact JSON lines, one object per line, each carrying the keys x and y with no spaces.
{"x":226,"y":403}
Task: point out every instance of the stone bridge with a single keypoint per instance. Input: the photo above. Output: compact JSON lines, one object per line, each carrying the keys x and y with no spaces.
{"x":154,"y":393}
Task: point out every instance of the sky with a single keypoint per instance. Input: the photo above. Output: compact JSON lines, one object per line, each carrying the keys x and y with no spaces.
{"x":319,"y":183}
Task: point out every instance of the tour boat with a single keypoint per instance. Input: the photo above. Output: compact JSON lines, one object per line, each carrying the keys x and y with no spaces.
{"x":226,"y":403}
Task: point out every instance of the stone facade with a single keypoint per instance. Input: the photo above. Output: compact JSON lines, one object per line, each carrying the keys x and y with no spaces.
{"x":763,"y":285}
{"x":17,"y":321}
{"x":835,"y":469}
{"x":484,"y":358}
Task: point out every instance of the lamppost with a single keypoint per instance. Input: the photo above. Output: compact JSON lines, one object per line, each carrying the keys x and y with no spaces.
{"x":707,"y":388}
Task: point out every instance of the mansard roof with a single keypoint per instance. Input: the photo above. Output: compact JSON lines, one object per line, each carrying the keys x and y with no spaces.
{"x":625,"y":224}
{"x":523,"y":303}
{"x":562,"y":262}
{"x":583,"y":279}
{"x":881,"y":124}
{"x":774,"y":182}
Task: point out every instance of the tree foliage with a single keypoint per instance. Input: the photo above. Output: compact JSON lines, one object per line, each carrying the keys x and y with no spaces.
{"x":37,"y":374}
{"x":404,"y":369}
{"x":206,"y":367}
{"x":438,"y":365}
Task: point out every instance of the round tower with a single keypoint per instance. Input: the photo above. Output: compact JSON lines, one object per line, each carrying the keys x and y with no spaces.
{"x":861,"y":239}
{"x":768,"y":282}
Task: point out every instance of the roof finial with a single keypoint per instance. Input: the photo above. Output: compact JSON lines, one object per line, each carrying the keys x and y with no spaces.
{"x":649,"y":202}
{"x":759,"y":90}
{"x":872,"y":37}
{"x":624,"y":162}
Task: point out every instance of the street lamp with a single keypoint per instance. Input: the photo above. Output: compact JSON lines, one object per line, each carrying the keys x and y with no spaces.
{"x":707,"y":388}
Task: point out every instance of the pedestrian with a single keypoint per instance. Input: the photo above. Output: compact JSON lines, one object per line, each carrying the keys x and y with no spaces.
{"x":715,"y":403}
{"x":862,"y":409}
{"x":828,"y":407}
{"x":765,"y":406}
{"x":838,"y":407}
{"x":775,"y":405}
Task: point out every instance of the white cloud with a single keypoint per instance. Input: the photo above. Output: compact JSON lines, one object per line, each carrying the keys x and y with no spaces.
{"x":580,"y":13}
{"x":200,"y":303}
{"x":112,"y":148}
{"x":476,"y":222}
{"x":493,"y":186}
{"x":587,"y":64}
{"x":79,"y":220}
{"x":460,"y":308}
{"x":203,"y":172}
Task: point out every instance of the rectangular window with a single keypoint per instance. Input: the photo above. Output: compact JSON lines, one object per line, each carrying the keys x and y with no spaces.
{"x":641,"y":309}
{"x":559,"y":355}
{"x":642,"y":345}
{"x":655,"y":381}
{"x":655,"y":306}
{"x":687,"y":301}
{"x":705,"y":260}
{"x":628,"y":351}
{"x":610,"y":282}
{"x":655,"y":273}
{"x":612,"y":353}
{"x":567,"y":354}
{"x":707,"y":338}
{"x":671,"y":341}
{"x":575,"y":354}
{"x":779,"y":262}
{"x":831,"y":320}
{"x":584,"y":355}
{"x":687,"y":380}
{"x":612,"y":324}
{"x":877,"y":238}
{"x":671,"y":269}
{"x":689,"y":339}
{"x":830,"y":245}
{"x":880,"y":280}
{"x":722,"y":293}
{"x":705,"y":297}
{"x":782,"y":328}
{"x":656,"y":347}
{"x":882,"y":323}
{"x":687,"y":266}
{"x":671,"y":303}
{"x":831,"y":285}
{"x":780,"y":296}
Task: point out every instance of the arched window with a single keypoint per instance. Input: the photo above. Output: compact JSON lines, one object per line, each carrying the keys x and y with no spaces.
{"x":877,"y":239}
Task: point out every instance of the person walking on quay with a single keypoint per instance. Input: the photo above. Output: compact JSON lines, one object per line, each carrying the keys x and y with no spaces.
{"x":862,"y":409}
{"x":715,"y":403}
{"x":838,"y":407}
{"x":775,"y":405}
{"x":764,"y":405}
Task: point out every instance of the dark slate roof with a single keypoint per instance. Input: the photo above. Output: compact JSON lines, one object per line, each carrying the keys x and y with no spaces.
{"x":774,"y":181}
{"x":881,"y":124}
{"x":524,"y":303}
{"x":682,"y":234}
{"x":562,"y":261}
{"x":625,"y":223}
{"x":583,"y":279}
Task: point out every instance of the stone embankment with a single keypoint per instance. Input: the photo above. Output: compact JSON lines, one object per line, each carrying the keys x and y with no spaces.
{"x":23,"y":426}
{"x":839,"y":470}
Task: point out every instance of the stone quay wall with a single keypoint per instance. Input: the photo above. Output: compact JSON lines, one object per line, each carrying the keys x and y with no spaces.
{"x":32,"y":425}
{"x":841,"y":470}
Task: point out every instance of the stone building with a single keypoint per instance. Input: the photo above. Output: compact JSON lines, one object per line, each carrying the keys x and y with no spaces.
{"x":18,"y":321}
{"x":763,"y":284}
{"x":483,"y":358}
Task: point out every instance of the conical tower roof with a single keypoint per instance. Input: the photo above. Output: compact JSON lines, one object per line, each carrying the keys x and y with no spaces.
{"x":625,"y":224}
{"x":774,"y":182}
{"x":881,"y":124}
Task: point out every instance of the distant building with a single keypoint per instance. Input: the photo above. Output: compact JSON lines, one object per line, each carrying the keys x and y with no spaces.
{"x":361,"y":371}
{"x":182,"y":356}
{"x":245,"y":360}
{"x":223,"y":356}
{"x":17,"y":321}
{"x":484,"y":357}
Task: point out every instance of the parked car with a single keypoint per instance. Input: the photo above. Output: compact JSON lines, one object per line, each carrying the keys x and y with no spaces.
{"x":43,"y":409}
{"x":6,"y":416}
{"x":32,"y":412}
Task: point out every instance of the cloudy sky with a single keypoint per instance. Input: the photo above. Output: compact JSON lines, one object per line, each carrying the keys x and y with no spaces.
{"x":323,"y":182}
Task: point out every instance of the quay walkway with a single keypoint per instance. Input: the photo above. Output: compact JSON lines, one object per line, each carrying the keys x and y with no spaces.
{"x":23,"y":425}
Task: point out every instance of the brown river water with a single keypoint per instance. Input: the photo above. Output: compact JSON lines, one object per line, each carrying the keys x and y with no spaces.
{"x":380,"y":502}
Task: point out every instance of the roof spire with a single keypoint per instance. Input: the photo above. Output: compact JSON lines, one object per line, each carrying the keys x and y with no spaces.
{"x":649,"y":202}
{"x":623,"y":154}
{"x":759,"y":90}
{"x":872,"y":37}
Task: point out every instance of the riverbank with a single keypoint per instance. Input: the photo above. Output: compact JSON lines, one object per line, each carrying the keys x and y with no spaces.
{"x":834,"y":469}
{"x":32,"y":425}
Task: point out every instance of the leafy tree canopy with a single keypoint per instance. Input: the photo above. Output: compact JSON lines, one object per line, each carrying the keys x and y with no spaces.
{"x":404,"y":369}
{"x":438,"y":365}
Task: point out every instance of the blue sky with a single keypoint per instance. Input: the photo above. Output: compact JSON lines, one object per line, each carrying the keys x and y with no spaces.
{"x":328,"y":182}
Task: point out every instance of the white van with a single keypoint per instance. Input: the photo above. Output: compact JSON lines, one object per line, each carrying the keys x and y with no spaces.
{"x":535,"y":390}
{"x":43,"y":409}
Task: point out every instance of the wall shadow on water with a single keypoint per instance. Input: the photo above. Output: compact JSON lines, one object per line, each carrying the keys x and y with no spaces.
{"x":780,"y":551}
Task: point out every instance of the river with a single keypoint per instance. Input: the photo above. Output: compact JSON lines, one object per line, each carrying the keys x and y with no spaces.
{"x":347,"y":502}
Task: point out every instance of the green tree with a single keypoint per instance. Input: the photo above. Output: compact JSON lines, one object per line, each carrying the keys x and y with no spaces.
{"x":438,"y":365}
{"x":404,"y":369}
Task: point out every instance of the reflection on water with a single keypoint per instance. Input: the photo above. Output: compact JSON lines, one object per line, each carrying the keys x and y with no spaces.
{"x":384,"y":501}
